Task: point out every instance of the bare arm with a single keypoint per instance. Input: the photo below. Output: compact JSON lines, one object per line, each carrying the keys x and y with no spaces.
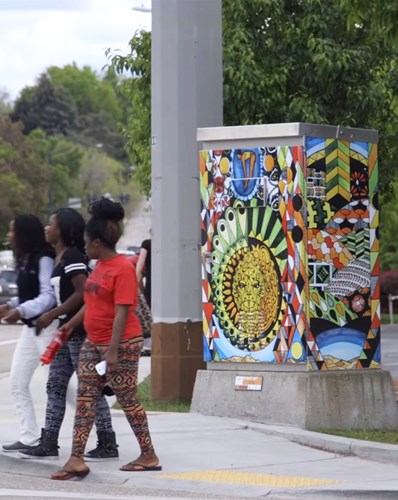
{"x":140,"y":265}
{"x":72,"y":303}
{"x":75,"y":321}
{"x":119,"y":324}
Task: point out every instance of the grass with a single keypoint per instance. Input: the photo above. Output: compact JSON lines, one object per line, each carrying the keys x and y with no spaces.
{"x":144,"y":397}
{"x":385,"y":319}
{"x":390,"y":437}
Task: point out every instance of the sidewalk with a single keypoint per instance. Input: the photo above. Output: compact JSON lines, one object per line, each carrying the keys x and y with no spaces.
{"x":138,"y":226}
{"x":212,"y":456}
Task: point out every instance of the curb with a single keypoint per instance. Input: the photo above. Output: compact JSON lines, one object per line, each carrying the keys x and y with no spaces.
{"x":44,"y":468}
{"x":329,"y":494}
{"x":369,"y":450}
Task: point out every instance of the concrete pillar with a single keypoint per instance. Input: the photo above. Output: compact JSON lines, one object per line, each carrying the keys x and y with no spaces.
{"x":186,"y":94}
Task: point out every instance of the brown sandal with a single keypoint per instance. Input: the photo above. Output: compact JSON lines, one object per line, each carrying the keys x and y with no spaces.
{"x":70,"y":475}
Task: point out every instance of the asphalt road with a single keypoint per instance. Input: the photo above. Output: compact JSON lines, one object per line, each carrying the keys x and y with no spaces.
{"x":389,"y":349}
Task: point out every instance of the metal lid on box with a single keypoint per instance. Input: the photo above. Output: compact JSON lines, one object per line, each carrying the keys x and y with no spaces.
{"x":279,"y":134}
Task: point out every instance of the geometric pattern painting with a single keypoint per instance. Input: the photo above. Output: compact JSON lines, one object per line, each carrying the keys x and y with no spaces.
{"x":254,"y":271}
{"x":344,"y":312}
{"x":290,"y":254}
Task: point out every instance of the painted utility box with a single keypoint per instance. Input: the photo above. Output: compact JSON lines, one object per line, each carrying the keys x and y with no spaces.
{"x":289,"y":221}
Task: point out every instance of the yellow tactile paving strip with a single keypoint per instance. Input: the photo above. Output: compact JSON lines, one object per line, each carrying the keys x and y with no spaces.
{"x":250,"y":479}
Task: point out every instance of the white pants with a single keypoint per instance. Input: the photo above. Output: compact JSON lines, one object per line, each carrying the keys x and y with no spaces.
{"x":24,"y":363}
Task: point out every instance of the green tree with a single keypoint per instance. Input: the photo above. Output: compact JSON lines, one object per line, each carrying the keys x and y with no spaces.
{"x":23,"y":175}
{"x":137,"y":91}
{"x":46,"y":106}
{"x":98,"y":107}
{"x":90,"y":93}
{"x":284,"y":61}
{"x":298,"y":62}
{"x":62,"y":160}
{"x":388,"y":230}
{"x":100,"y":175}
{"x":380,"y":15}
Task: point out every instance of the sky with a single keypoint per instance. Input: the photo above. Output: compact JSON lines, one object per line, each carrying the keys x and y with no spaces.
{"x":36,"y":34}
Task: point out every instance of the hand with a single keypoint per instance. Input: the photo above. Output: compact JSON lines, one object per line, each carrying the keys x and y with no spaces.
{"x":111,"y":359}
{"x":45,"y":319}
{"x":13,"y":316}
{"x":67,"y":328}
{"x":4,"y":310}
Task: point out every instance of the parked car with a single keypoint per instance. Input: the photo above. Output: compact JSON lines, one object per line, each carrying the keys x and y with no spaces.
{"x":6,"y":259}
{"x":130,"y":250}
{"x":8,"y":285}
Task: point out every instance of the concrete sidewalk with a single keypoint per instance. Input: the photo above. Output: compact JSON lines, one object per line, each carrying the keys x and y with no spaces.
{"x":214,"y":457}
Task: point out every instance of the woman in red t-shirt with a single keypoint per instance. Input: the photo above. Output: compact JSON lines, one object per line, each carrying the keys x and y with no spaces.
{"x":114,"y":336}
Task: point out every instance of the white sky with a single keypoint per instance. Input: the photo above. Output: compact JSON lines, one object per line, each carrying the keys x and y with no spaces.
{"x":36,"y":34}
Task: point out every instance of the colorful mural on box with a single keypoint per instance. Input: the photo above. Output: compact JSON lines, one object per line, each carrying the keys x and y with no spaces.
{"x":343,"y":255}
{"x":253,"y":249}
{"x":290,"y":254}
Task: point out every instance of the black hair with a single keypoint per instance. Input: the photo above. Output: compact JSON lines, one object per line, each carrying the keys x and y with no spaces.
{"x":104,"y":223}
{"x":30,"y":240}
{"x":71,"y":227}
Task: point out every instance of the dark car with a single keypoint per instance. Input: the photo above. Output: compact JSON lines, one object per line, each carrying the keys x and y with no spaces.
{"x":8,"y":286}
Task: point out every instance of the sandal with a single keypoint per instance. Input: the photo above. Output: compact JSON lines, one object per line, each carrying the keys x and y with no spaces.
{"x":137,"y":467}
{"x":70,"y":475}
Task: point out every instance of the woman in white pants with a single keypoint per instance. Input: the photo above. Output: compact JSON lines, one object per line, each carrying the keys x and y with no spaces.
{"x":34,"y":259}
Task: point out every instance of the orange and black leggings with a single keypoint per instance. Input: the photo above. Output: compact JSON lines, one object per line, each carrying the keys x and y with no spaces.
{"x":124,"y":384}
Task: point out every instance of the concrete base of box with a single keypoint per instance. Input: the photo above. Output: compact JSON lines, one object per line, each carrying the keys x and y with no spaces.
{"x":357,"y":399}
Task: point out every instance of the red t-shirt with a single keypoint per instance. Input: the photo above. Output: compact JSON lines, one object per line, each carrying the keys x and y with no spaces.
{"x":112,"y":282}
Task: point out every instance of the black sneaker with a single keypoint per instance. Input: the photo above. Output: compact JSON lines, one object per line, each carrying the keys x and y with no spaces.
{"x":38,"y":452}
{"x":47,"y":448}
{"x":14,"y":447}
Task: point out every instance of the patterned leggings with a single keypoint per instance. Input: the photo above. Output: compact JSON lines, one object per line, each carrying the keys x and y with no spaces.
{"x":124,"y":384}
{"x":61,"y":371}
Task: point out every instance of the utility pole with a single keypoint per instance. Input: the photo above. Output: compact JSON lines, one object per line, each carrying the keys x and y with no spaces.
{"x":186,"y":94}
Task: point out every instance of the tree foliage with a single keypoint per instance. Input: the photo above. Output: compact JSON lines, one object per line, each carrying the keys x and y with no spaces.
{"x":64,"y":133}
{"x":137,"y":91}
{"x":296,"y":61}
{"x":388,"y":229}
{"x":99,"y":176}
{"x":23,"y":175}
{"x":46,"y":106}
{"x":284,"y":61}
{"x":99,"y":109}
{"x":62,"y":160}
{"x":90,"y":93}
{"x":380,"y":15}
{"x":76,"y":104}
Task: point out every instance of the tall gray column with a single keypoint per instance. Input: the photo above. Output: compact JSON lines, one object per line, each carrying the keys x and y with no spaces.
{"x":186,"y":94}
